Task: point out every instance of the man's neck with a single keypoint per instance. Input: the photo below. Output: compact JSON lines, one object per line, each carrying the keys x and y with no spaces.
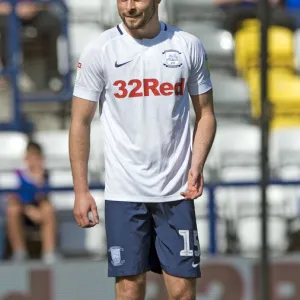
{"x":149,"y":31}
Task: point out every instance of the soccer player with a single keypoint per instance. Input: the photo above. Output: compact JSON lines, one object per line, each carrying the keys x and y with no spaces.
{"x":141,"y":73}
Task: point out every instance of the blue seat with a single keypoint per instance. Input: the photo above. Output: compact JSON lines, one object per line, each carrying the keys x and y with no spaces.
{"x":293,"y":4}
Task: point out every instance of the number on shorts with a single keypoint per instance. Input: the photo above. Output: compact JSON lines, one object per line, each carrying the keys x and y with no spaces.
{"x":186,"y":241}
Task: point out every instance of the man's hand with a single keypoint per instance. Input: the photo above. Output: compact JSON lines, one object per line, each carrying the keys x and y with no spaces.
{"x":85,"y":203}
{"x":195,"y":185}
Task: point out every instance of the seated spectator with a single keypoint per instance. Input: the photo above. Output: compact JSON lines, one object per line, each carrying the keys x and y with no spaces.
{"x":47,"y":26}
{"x":31,"y":207}
{"x":237,"y":11}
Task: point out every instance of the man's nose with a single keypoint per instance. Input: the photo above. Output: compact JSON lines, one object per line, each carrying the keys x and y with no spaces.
{"x":130,"y":5}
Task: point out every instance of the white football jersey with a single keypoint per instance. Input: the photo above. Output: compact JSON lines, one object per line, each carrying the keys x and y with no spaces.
{"x":143,"y":87}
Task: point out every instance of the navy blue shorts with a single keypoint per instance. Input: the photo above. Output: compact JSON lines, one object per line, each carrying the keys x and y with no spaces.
{"x":144,"y":237}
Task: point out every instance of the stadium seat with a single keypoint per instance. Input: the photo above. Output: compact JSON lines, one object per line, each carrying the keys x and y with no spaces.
{"x":248,"y":209}
{"x":289,"y":172}
{"x":284,"y":121}
{"x":241,"y":205}
{"x":248,"y":201}
{"x":95,"y":241}
{"x":284,"y":92}
{"x":285,"y":158}
{"x":75,"y":241}
{"x":236,"y":100}
{"x":81,"y":12}
{"x":285,"y":148}
{"x":249,"y":236}
{"x":202,"y":215}
{"x":56,"y":148}
{"x":245,"y":201}
{"x":293,"y":4}
{"x":229,"y":197}
{"x":240,"y":173}
{"x":204,"y":235}
{"x":65,"y":200}
{"x":60,"y":178}
{"x":80,"y":35}
{"x":201,"y":205}
{"x":238,"y":200}
{"x":8,"y":180}
{"x":291,"y":196}
{"x":212,"y":163}
{"x":252,"y":24}
{"x":12,"y":150}
{"x":237,"y":146}
{"x":281,"y":48}
{"x":166,"y":13}
{"x":61,"y":200}
{"x":224,"y":206}
{"x":277,"y":201}
{"x":218,"y":43}
{"x":109,"y":14}
{"x":195,"y":10}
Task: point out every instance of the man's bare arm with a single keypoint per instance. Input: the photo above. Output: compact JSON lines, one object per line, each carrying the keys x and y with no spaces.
{"x":83,"y":112}
{"x":204,"y":130}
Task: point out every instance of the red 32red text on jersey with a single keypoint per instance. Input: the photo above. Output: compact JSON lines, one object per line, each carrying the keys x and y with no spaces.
{"x":148,"y":87}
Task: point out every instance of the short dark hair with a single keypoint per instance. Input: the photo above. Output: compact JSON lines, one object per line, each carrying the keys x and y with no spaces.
{"x":32,"y":145}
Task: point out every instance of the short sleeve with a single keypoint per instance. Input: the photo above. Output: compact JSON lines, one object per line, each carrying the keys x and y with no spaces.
{"x":89,"y":81}
{"x":199,"y":81}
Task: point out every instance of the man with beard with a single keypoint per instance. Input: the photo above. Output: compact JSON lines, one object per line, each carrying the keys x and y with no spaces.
{"x":142,"y":72}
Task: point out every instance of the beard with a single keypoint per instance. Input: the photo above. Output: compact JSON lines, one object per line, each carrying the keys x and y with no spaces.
{"x":143,"y":18}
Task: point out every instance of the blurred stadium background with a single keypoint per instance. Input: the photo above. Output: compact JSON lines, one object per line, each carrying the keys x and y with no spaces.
{"x":228,"y":213}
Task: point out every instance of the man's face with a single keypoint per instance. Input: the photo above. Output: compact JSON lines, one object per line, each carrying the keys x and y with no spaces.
{"x":135,"y":14}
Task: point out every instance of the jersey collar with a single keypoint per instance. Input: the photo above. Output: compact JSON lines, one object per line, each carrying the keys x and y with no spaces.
{"x":122,"y":31}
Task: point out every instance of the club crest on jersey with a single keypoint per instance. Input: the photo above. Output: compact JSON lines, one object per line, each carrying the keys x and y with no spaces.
{"x":172,"y":59}
{"x":115,"y":253}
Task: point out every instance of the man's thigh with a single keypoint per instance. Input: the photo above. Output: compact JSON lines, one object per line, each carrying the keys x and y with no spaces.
{"x":129,"y":237}
{"x":176,"y":243}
